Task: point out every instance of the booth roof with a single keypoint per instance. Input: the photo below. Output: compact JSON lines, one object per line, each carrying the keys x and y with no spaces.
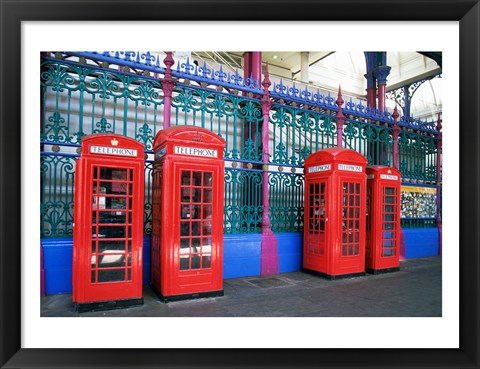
{"x":187,"y":133}
{"x":336,"y":154}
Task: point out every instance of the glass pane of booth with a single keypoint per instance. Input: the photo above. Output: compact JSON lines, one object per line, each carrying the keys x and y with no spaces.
{"x":195,"y":219}
{"x":351,"y":219}
{"x":389,"y":231}
{"x":316,"y":223}
{"x":111,"y":224}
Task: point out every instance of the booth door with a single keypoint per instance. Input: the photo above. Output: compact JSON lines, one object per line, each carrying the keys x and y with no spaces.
{"x":317,"y":223}
{"x":389,"y":229}
{"x":112,"y":251}
{"x":200,"y":231}
{"x":351,"y":225}
{"x":370,"y":217}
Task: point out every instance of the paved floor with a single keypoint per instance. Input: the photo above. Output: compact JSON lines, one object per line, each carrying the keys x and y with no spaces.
{"x":414,"y":291}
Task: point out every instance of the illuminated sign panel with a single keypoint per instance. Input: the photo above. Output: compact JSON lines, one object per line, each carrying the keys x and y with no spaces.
{"x":193,"y":151}
{"x":350,"y":168}
{"x":319,"y":168}
{"x":113,"y":151}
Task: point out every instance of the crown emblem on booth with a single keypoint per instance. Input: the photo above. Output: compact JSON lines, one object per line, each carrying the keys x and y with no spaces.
{"x":197,"y":137}
{"x":389,"y":171}
{"x":114,"y":142}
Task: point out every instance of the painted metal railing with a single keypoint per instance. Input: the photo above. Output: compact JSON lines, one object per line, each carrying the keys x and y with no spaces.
{"x":418,"y":156}
{"x":85,"y":93}
{"x":372,"y":141}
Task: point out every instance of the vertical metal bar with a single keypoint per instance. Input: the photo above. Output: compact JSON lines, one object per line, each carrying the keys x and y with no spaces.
{"x":69,"y":98}
{"x":155,"y":109}
{"x":93,"y":113}
{"x":114,"y":113}
{"x":136,"y":118}
{"x":125,"y":112}
{"x":340,"y":118}
{"x":168,"y":85}
{"x":269,"y":256}
{"x":439,"y":181}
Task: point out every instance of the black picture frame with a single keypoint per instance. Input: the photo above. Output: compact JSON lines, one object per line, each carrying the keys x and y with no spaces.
{"x":14,"y":12}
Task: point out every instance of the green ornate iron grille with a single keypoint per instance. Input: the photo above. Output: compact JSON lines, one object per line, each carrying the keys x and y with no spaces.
{"x":80,"y":98}
{"x":243,"y":201}
{"x":297,"y":133}
{"x":417,"y":156}
{"x":375,"y":142}
{"x":56,"y":209}
{"x":286,"y":201}
{"x":235,"y":118}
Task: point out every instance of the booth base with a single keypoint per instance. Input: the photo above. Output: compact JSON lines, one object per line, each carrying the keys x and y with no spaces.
{"x":382,"y":271}
{"x":186,"y":296}
{"x":107,"y":305}
{"x":333,"y":277}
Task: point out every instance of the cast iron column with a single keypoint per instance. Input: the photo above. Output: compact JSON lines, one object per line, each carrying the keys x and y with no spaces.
{"x":257,"y":66}
{"x":439,"y":182}
{"x":371,"y":91}
{"x":340,"y":117}
{"x":168,"y":84}
{"x":395,"y":134}
{"x":269,"y":255}
{"x":304,"y":66}
{"x":370,"y":59}
{"x":381,"y":73}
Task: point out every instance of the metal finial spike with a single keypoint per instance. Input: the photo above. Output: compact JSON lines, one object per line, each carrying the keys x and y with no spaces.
{"x":266,"y":81}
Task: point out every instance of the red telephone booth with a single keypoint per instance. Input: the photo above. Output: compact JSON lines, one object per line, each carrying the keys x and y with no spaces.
{"x":187,"y":214}
{"x":383,"y":220}
{"x":108,"y":228}
{"x":334,"y":218}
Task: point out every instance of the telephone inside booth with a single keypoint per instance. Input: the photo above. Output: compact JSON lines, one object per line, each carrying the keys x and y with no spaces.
{"x":334,"y":235}
{"x":383,"y":220}
{"x":108,"y":228}
{"x":187,"y":214}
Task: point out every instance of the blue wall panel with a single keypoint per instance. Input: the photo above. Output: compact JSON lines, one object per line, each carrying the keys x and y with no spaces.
{"x":241,"y":255}
{"x":290,"y":251}
{"x":57,"y":263}
{"x":58,"y":259}
{"x":420,"y":242}
{"x":147,"y":257}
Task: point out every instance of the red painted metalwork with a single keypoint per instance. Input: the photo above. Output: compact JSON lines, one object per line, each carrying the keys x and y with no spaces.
{"x":395,"y":134}
{"x":269,"y":263}
{"x":252,"y":65}
{"x":257,"y":65}
{"x":382,"y":249}
{"x":168,"y":84}
{"x":439,"y":182}
{"x":381,"y":96}
{"x":247,"y":64}
{"x":187,"y":213}
{"x":108,"y":228}
{"x":334,"y":220}
{"x":340,"y":117}
{"x":372,"y":97}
